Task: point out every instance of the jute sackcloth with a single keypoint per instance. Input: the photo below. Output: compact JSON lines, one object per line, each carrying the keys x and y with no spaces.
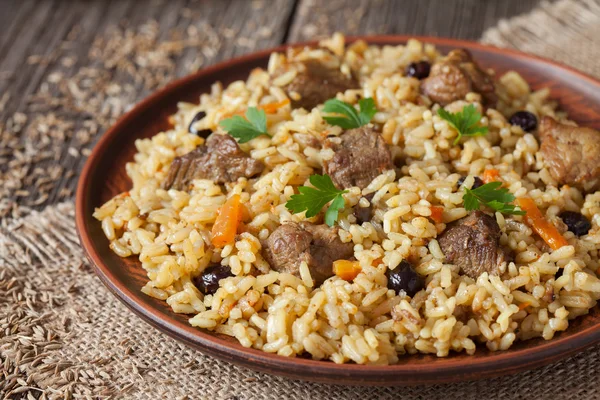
{"x":63,"y":335}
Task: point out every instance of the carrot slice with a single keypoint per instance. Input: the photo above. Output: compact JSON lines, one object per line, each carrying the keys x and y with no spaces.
{"x":269,"y":108}
{"x":540,"y":225}
{"x":227,"y":222}
{"x":243,"y":215}
{"x":523,"y":306}
{"x":347,"y":270}
{"x":272,"y":108}
{"x":437,"y":214}
{"x":491,"y":175}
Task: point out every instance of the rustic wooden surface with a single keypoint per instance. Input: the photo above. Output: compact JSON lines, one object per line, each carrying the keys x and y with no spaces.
{"x":42,"y":38}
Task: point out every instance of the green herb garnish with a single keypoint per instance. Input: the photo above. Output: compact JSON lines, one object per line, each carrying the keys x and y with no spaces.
{"x":493,"y":196}
{"x":313,"y":199}
{"x":466,"y":122}
{"x":246,"y":129}
{"x":346,"y":115}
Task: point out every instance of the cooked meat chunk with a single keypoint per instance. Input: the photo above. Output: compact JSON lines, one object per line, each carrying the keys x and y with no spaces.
{"x":571,"y":153}
{"x":461,"y":313}
{"x":472,"y":243}
{"x":446,"y":83}
{"x":360,"y":155}
{"x":315,"y":83}
{"x":220,"y":160}
{"x":455,"y":76}
{"x":318,"y":245}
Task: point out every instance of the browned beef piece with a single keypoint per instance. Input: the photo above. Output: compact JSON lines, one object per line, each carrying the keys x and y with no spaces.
{"x":455,"y":76}
{"x":316,"y":83}
{"x":571,"y":153}
{"x":462,"y":312}
{"x":318,"y":245}
{"x":472,"y":243}
{"x":359,"y":158}
{"x":220,"y":160}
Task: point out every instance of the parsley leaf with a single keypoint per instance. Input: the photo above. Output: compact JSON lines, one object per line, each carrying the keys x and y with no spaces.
{"x":246,"y":129}
{"x":346,"y":116}
{"x":313,"y":199}
{"x":331,"y":215}
{"x":493,"y":196}
{"x":466,"y":122}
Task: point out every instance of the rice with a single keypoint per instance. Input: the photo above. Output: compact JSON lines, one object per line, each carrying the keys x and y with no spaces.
{"x":359,"y":321}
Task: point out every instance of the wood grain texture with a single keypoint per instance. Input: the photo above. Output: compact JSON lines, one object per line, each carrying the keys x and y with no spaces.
{"x":461,"y":19}
{"x":104,"y":177}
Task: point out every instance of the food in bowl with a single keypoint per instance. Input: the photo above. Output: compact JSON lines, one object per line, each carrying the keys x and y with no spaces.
{"x":359,"y":203}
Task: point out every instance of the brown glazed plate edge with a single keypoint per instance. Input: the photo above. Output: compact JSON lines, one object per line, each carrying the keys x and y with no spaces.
{"x":411,"y":369}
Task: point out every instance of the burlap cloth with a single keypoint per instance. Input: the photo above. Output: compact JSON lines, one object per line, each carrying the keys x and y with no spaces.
{"x":63,"y":335}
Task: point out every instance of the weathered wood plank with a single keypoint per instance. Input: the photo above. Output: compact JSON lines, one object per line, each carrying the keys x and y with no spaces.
{"x":46,"y":44}
{"x":465,"y":19}
{"x":11,"y":17}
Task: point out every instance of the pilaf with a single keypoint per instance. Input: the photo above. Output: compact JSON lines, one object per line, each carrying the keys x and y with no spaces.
{"x":397,"y":259}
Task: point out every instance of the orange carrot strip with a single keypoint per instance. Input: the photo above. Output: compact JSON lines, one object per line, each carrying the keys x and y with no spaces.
{"x":523,"y":306}
{"x":347,"y":270}
{"x":491,"y":175}
{"x":437,"y":214}
{"x":228,"y":220}
{"x":540,"y":225}
{"x":269,"y":108}
{"x":272,"y":108}
{"x":244,"y":215}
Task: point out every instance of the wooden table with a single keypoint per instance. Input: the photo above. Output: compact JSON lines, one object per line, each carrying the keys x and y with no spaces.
{"x":45,"y":43}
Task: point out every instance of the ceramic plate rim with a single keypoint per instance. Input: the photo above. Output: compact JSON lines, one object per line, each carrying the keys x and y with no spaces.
{"x":504,"y":362}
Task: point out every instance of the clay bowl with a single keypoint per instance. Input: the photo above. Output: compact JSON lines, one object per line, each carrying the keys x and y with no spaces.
{"x":104,"y":176}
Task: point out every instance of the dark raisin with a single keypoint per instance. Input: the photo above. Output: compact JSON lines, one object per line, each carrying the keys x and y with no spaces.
{"x":476,"y":182}
{"x":526,"y":120}
{"x":577,"y":223}
{"x":419,"y":70}
{"x":364,"y":214}
{"x":404,"y":277}
{"x":203,"y":132}
{"x":208,"y":281}
{"x":559,"y":273}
